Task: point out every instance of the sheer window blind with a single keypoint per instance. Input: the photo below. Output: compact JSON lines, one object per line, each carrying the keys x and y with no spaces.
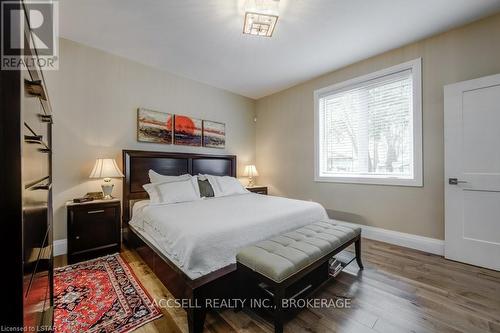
{"x":366,"y":129}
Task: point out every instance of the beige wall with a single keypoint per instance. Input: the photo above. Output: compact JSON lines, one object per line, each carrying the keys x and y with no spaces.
{"x":95,"y":96}
{"x":285,"y":134}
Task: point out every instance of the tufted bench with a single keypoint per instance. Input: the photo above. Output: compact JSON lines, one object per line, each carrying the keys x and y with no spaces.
{"x":282,"y":261}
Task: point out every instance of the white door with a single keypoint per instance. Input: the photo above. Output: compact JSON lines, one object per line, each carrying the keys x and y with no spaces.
{"x":472,"y":171}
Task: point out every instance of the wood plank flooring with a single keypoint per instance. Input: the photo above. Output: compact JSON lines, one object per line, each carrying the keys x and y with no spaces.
{"x":400,"y":290}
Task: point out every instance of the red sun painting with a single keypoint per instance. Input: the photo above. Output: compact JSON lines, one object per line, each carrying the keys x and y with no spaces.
{"x":187,"y":131}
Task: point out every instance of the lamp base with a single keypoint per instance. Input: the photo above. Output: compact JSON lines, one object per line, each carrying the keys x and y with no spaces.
{"x":107,"y":189}
{"x":251,"y":182}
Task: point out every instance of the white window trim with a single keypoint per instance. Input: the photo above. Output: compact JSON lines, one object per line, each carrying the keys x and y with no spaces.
{"x":416,"y":67}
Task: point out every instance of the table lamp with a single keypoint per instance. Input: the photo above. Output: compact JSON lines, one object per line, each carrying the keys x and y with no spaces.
{"x":250,"y":172}
{"x":106,"y":168}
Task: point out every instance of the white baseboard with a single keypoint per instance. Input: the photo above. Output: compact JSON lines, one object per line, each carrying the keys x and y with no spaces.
{"x":60,"y":247}
{"x":426,"y":244}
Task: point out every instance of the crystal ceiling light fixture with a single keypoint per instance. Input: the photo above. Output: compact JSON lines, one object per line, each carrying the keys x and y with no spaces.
{"x":261,"y":17}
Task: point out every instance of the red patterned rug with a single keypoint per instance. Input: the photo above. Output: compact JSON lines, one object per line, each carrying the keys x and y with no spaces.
{"x":100,"y":295}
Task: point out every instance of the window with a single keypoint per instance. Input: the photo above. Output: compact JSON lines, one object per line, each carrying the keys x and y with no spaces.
{"x":369,"y":130}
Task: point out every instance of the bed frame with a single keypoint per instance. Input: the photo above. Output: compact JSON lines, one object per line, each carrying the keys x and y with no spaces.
{"x":219,"y":284}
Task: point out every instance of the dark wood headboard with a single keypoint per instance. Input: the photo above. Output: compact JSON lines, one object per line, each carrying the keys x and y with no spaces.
{"x":137,"y":163}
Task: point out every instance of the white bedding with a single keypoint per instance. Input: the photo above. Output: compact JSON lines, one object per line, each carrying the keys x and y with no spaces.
{"x":205,"y":235}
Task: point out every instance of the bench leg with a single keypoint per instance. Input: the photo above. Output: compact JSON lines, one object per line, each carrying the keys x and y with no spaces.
{"x":279,"y":314}
{"x":243,"y":284}
{"x":357,"y":249}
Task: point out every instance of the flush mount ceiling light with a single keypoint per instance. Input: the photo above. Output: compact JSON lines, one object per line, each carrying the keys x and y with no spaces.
{"x":261,"y":17}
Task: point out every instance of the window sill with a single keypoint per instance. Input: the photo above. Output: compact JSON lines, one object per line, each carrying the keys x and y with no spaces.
{"x":371,"y":181}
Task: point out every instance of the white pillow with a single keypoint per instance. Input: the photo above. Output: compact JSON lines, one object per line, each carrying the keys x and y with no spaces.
{"x":155,"y":177}
{"x":154,"y":197}
{"x":173,"y":192}
{"x":225,"y":185}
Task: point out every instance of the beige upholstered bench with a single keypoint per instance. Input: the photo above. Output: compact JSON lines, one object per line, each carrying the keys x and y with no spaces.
{"x":282,"y":261}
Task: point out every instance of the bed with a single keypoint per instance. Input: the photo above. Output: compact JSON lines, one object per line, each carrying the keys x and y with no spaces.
{"x":203,"y":236}
{"x":191,"y":246}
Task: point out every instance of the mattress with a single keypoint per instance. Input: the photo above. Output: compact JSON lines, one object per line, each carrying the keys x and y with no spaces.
{"x":205,"y":235}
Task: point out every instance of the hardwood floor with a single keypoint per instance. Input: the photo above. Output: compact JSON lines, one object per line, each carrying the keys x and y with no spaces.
{"x":400,"y":290}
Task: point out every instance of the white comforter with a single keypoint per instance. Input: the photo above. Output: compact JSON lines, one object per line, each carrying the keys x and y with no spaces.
{"x":205,"y":235}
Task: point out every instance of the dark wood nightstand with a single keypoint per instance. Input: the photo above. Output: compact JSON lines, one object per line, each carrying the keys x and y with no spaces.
{"x":93,"y":229}
{"x":258,"y":189}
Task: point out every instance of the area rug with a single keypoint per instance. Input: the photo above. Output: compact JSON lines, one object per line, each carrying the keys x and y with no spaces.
{"x":100,"y":295}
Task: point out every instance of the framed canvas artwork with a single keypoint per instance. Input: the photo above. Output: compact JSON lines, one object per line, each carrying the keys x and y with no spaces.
{"x":154,"y":126}
{"x":214,"y":134}
{"x":187,"y":131}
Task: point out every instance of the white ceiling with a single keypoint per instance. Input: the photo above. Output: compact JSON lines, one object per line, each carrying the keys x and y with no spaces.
{"x":203,"y":40}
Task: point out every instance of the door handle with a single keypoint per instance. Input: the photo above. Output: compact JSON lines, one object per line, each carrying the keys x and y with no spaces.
{"x":455,"y":181}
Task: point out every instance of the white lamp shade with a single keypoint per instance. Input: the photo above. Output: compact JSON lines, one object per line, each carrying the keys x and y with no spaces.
{"x":250,"y":171}
{"x":106,"y":168}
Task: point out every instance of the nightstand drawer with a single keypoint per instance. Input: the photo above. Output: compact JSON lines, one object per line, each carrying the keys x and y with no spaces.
{"x":261,"y":192}
{"x":93,"y":230}
{"x":258,"y":189}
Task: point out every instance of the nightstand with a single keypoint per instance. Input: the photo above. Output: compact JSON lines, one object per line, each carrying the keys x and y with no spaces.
{"x":258,"y":189}
{"x":93,"y":229}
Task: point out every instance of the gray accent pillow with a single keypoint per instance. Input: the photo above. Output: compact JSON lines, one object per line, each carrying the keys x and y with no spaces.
{"x":206,"y":189}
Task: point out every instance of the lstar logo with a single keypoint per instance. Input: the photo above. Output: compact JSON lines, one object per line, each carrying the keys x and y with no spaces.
{"x":29,"y":35}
